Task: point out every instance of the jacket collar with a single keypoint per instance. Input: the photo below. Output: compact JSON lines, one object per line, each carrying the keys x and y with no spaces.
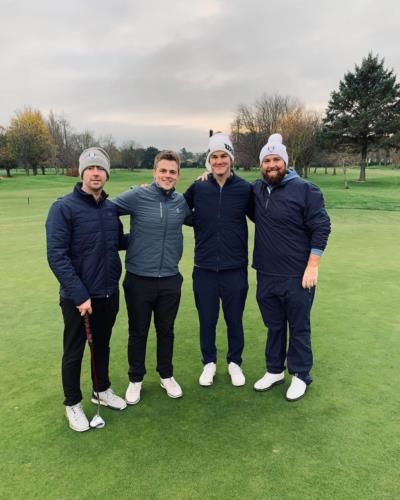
{"x":290,"y":175}
{"x":229,"y":179}
{"x":163,"y":192}
{"x":88,"y":197}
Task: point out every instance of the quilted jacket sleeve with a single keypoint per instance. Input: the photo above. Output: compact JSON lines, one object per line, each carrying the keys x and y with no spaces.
{"x":58,"y":234}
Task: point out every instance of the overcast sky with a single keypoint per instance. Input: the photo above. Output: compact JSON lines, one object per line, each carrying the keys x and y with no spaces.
{"x":163,"y":73}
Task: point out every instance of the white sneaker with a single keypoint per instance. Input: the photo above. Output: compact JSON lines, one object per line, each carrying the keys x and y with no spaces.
{"x":110,"y":399}
{"x":296,"y":389}
{"x":207,"y":376}
{"x":132,"y":395}
{"x":269,"y":380}
{"x":172,"y":387}
{"x":76,"y":418}
{"x":237,"y":376}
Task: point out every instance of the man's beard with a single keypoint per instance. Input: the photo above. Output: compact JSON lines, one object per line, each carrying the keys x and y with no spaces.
{"x":276,"y":179}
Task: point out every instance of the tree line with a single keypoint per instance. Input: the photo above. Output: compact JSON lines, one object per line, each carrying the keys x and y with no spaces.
{"x":34,"y":143}
{"x":361,"y":122}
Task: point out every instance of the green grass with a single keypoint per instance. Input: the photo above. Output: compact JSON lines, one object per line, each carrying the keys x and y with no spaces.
{"x":340,"y":441}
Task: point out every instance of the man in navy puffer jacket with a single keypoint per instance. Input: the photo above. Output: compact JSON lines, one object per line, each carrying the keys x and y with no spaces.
{"x":220,"y":205}
{"x":291,"y":233}
{"x":84,"y":235}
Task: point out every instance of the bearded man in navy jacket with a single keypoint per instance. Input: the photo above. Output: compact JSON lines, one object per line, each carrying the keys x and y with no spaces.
{"x":220,"y":204}
{"x":291,"y":233}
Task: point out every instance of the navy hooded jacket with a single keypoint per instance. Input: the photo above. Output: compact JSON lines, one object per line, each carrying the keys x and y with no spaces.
{"x":290,"y":220}
{"x":219,"y":222}
{"x":83,"y":239}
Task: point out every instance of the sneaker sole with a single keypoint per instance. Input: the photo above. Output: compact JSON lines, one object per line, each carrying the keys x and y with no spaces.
{"x":295,"y":399}
{"x":279,"y":382}
{"x":75,"y":428}
{"x":205,"y":384}
{"x":131,"y":403}
{"x":102,"y":403}
{"x":78,"y":430}
{"x":171,"y":395}
{"x":238,"y":385}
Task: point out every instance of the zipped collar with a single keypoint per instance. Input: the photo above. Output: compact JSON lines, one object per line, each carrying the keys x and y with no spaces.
{"x":228,"y":180}
{"x":163,"y":192}
{"x":89,"y":198}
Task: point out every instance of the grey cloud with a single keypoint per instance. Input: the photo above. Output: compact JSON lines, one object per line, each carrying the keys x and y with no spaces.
{"x":168,"y":63}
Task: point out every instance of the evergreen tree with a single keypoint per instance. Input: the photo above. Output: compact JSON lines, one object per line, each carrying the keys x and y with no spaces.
{"x":365,"y":111}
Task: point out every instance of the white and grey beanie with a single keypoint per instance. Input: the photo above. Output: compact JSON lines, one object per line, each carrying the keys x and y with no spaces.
{"x":94,"y":157}
{"x":274,"y":146}
{"x":219,"y":142}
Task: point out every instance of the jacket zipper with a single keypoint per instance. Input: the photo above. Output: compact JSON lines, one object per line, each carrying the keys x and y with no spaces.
{"x":99,"y":207}
{"x":269,"y":194}
{"x":219,"y":222}
{"x":164,"y":234}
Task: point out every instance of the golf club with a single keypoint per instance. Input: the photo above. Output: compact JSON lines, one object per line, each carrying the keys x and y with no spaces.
{"x":97,"y":422}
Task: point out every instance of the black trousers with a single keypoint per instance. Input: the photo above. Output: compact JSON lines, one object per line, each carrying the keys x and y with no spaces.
{"x":101,"y":321}
{"x":230,"y":289}
{"x":284,"y":303}
{"x":145,"y":297}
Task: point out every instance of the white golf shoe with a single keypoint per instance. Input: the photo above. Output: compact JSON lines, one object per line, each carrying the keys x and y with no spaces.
{"x":76,"y":417}
{"x":269,"y":380}
{"x":237,"y":377}
{"x":110,"y":399}
{"x":172,"y":387}
{"x":132,"y":395}
{"x":296,"y":389}
{"x":207,"y":376}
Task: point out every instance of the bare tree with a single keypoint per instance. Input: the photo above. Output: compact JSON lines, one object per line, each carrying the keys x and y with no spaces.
{"x":61,"y":133}
{"x":253,"y":124}
{"x":299,"y":129}
{"x":108,"y":143}
{"x":83,"y":141}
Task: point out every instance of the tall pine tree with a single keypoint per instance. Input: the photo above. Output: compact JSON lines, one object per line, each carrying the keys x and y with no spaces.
{"x":365,"y":112}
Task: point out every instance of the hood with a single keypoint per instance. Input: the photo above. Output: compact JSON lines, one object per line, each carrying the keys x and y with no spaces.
{"x":291,"y":174}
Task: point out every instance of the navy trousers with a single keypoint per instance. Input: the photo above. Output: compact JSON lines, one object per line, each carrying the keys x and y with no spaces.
{"x":285,"y":304}
{"x":230,"y":289}
{"x":101,"y":322}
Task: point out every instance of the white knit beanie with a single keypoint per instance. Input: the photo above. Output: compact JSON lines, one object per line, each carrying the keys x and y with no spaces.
{"x":219,"y":142}
{"x":274,"y":146}
{"x":94,"y":157}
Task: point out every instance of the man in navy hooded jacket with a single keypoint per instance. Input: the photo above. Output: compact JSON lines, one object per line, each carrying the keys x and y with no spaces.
{"x":291,"y":233}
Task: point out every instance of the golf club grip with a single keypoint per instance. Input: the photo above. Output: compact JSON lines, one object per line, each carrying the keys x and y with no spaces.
{"x":89,"y":337}
{"x":88,"y":330}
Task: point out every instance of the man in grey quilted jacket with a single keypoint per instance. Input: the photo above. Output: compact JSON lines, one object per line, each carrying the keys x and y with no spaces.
{"x":152,"y":283}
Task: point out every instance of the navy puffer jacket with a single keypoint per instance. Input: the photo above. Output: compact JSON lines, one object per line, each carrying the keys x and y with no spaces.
{"x":290,"y":221}
{"x":219,"y":222}
{"x":83,"y":239}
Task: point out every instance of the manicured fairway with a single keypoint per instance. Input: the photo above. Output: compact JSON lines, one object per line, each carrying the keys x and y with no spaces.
{"x":340,"y":442}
